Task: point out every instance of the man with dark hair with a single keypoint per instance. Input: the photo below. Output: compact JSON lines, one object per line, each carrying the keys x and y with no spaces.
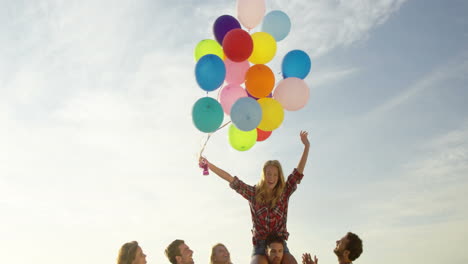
{"x":347,"y":249}
{"x":274,"y":248}
{"x":179,"y":253}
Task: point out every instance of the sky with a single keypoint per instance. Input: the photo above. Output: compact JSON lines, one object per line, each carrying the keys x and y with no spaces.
{"x":99,"y":148}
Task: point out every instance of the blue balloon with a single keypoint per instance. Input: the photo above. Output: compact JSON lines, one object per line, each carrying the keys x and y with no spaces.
{"x":277,"y":24}
{"x":210,"y":72}
{"x":207,"y":114}
{"x":246,"y":113}
{"x":296,"y":63}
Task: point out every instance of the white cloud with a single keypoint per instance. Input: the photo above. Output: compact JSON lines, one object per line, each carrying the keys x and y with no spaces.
{"x":320,"y":26}
{"x":455,"y":69}
{"x":327,"y":76}
{"x":424,"y":203}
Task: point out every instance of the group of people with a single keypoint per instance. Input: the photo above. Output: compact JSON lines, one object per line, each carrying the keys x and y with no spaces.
{"x":348,"y":248}
{"x":268,"y":201}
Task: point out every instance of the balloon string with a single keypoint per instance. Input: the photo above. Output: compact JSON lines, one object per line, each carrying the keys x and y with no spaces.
{"x":227,"y":123}
{"x":204,"y":145}
{"x":209,"y":135}
{"x":219,"y":94}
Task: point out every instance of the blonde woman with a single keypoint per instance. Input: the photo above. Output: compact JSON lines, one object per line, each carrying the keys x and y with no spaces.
{"x":131,"y":253}
{"x":220,"y":255}
{"x":268,"y":201}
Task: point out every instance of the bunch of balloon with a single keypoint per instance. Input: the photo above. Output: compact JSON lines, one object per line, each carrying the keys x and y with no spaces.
{"x":236,"y":61}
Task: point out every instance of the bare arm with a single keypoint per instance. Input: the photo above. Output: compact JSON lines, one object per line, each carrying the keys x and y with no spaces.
{"x":221,"y":173}
{"x":305,"y":154}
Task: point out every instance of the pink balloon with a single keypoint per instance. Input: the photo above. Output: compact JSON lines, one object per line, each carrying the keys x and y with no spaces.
{"x":235,"y":71}
{"x":292,"y":93}
{"x":250,"y":12}
{"x":229,"y":95}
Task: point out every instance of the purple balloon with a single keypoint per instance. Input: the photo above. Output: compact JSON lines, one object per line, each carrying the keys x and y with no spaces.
{"x":223,"y":25}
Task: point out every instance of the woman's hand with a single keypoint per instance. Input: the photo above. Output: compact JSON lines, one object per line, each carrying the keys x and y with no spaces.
{"x":305,"y":154}
{"x":202,"y":160}
{"x":221,"y":173}
{"x":304,"y":138}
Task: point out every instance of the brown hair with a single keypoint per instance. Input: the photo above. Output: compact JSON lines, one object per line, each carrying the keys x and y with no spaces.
{"x":213,"y":251}
{"x":354,"y":246}
{"x":173,"y":250}
{"x":127,"y":253}
{"x":261,"y":187}
{"x":273,"y":238}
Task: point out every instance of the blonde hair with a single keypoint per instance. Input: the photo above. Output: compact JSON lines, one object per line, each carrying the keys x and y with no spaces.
{"x":127,"y":253}
{"x":213,"y":252}
{"x":261,"y":188}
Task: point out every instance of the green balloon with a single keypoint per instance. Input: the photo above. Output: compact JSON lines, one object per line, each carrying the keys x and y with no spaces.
{"x":207,"y":114}
{"x":242,"y":140}
{"x":208,"y":46}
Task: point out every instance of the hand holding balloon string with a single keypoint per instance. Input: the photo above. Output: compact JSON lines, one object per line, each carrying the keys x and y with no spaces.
{"x":203,"y":163}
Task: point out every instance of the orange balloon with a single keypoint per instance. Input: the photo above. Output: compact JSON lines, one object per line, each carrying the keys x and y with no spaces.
{"x":259,"y":80}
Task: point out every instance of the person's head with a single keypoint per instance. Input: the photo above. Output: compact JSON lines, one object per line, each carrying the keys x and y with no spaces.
{"x":131,"y":253}
{"x":274,"y":248}
{"x":179,"y":253}
{"x":271,"y":184}
{"x":348,"y":247}
{"x":220,"y":255}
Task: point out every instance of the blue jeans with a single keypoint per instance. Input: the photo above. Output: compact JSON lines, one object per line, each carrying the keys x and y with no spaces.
{"x":260,"y":248}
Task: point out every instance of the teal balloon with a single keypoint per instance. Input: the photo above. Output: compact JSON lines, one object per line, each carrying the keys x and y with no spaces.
{"x":296,"y":63}
{"x":246,"y":113}
{"x":210,"y":72}
{"x":277,"y":24}
{"x":207,"y":115}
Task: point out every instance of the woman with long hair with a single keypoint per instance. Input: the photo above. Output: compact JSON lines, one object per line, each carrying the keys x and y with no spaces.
{"x":131,"y":253}
{"x":220,"y":255}
{"x":268,"y":200}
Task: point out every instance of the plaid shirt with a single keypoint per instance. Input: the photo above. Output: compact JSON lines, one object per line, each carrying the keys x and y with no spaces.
{"x":264,"y":218}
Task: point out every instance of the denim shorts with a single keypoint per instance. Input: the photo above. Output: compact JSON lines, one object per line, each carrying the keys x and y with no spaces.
{"x":260,"y":248}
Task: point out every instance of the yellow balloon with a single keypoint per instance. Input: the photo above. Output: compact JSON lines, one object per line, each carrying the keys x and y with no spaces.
{"x":208,"y":46}
{"x":272,"y":114}
{"x":242,"y":140}
{"x":264,"y":48}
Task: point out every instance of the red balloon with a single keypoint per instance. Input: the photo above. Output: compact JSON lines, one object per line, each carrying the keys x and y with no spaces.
{"x":237,"y":45}
{"x":262,"y":135}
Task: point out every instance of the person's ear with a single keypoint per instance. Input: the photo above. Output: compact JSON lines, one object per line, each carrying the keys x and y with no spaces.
{"x":346,"y":254}
{"x":178,"y":259}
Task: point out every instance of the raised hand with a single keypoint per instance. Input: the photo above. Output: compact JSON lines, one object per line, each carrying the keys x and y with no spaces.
{"x":305,"y":154}
{"x":306,"y":259}
{"x":203,"y":163}
{"x":202,"y":160}
{"x":304,"y":138}
{"x":206,"y":165}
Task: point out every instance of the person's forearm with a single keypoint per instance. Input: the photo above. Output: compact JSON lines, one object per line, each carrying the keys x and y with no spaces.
{"x":221,"y":173}
{"x":303,"y":161}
